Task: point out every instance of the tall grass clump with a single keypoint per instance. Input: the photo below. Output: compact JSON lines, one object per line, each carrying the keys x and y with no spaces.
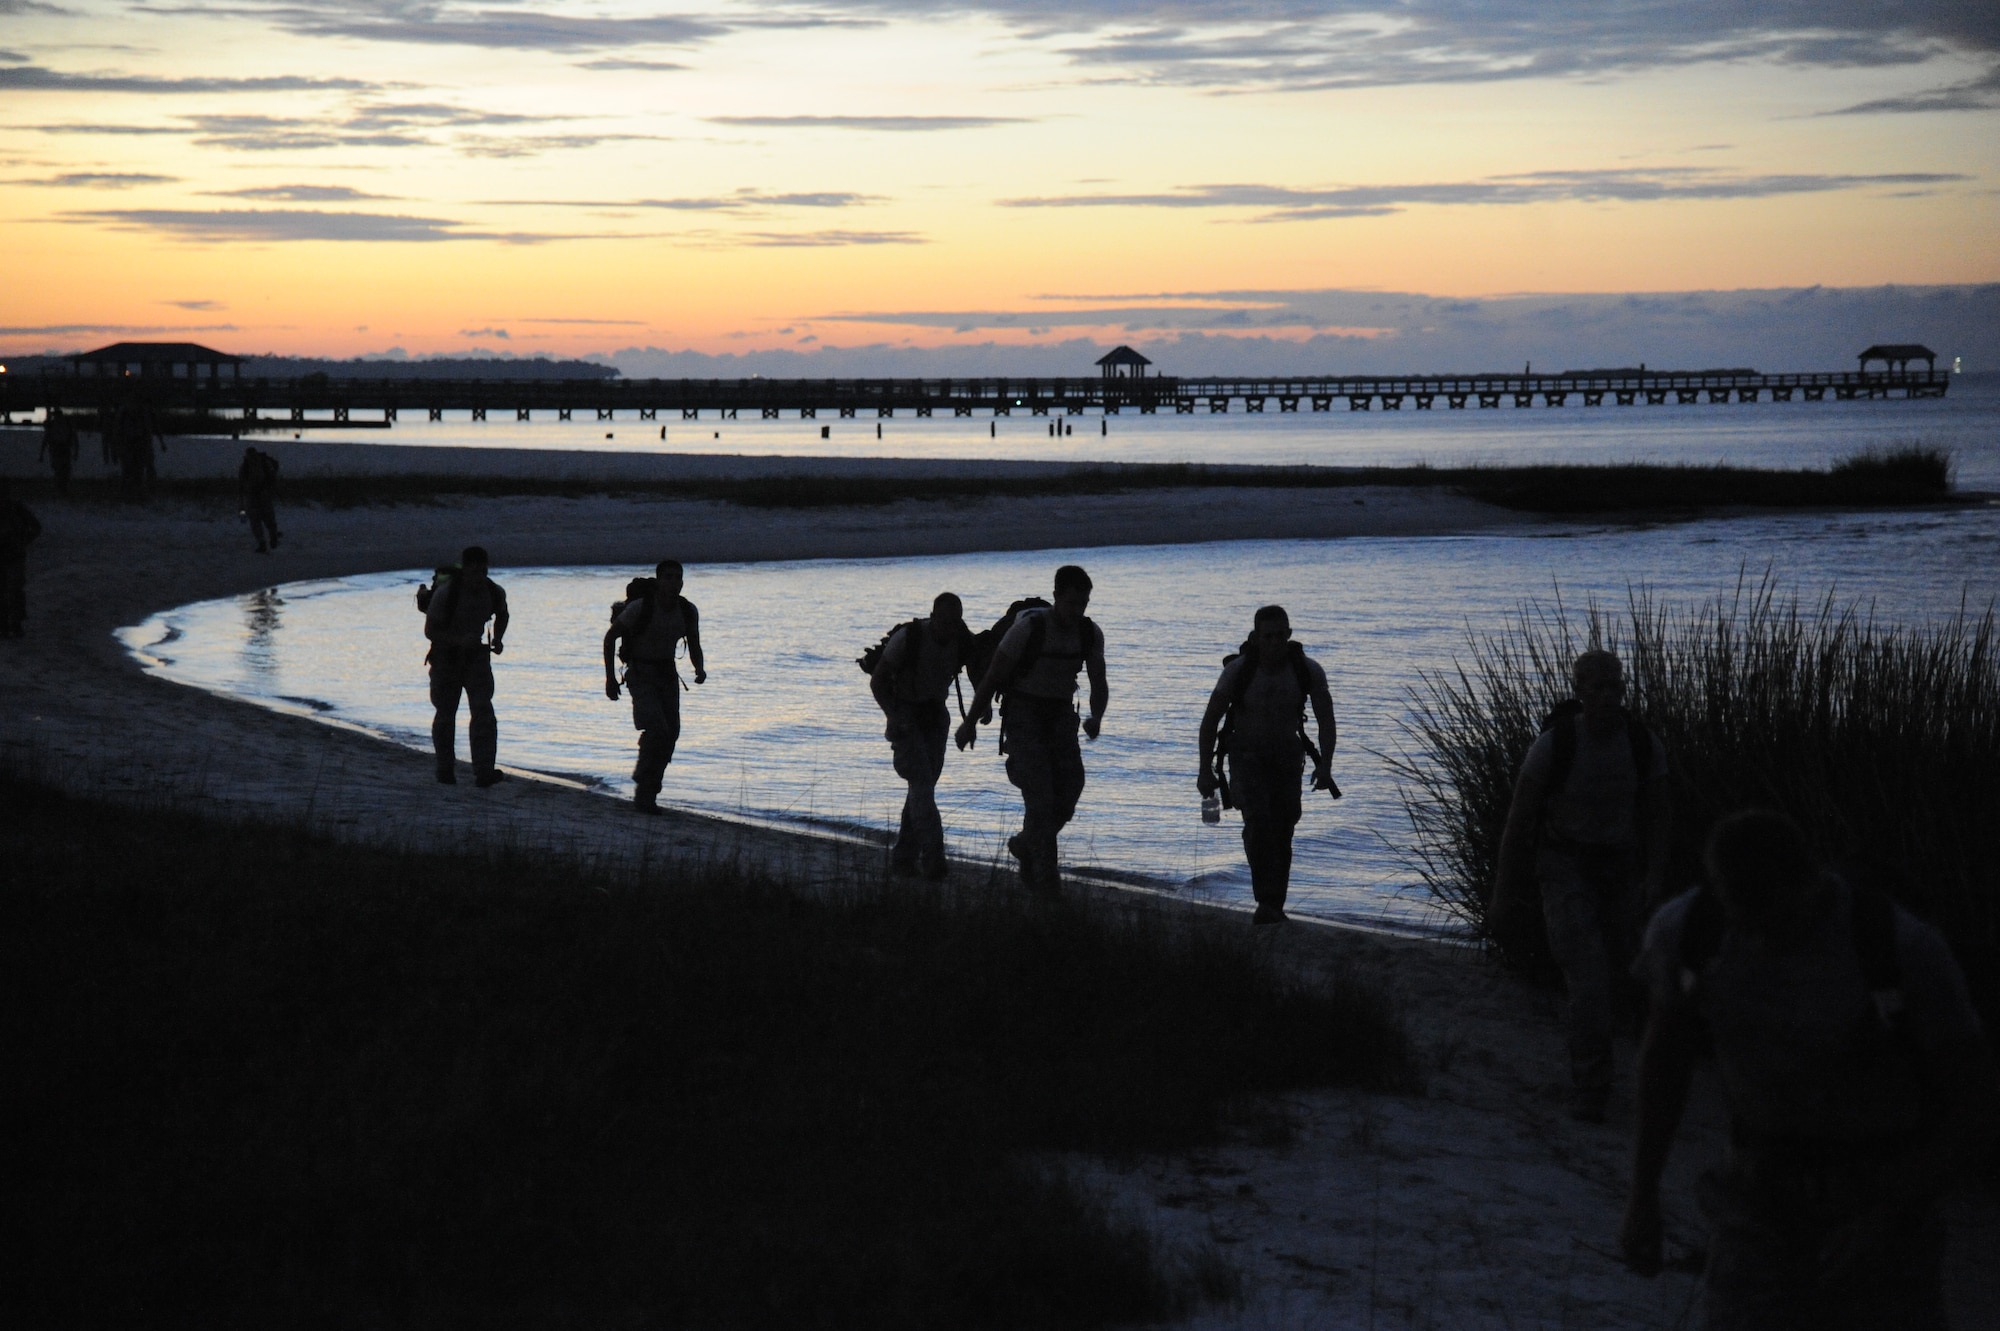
{"x":1882,"y":739}
{"x":256,"y":1078}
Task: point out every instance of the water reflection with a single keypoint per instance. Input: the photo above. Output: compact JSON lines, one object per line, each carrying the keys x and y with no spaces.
{"x":785,"y":729}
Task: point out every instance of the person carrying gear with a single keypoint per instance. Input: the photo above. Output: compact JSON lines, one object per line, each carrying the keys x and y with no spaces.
{"x":1034,"y":669}
{"x":131,"y":435}
{"x":60,"y":446}
{"x":1256,"y":722}
{"x":456,"y":607}
{"x":652,"y":622}
{"x":256,"y":482}
{"x":1859,"y":1084}
{"x":918,"y":666}
{"x":1589,"y":821}
{"x":18,"y":530}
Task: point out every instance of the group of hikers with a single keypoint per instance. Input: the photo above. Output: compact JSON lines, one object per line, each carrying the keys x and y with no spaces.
{"x":126,"y":435}
{"x":1857,"y":1077}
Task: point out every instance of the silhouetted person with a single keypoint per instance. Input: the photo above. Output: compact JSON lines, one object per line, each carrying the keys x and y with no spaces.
{"x":256,"y":486}
{"x":18,"y":529}
{"x":1589,"y":821}
{"x":919,"y":664}
{"x":456,"y":609}
{"x":652,"y":625}
{"x":131,"y":437}
{"x":1860,"y":1088}
{"x":60,"y":445}
{"x":1034,"y":668}
{"x":1256,"y":722}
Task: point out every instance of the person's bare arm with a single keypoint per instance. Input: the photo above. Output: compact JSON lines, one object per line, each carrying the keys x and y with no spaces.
{"x":1665,"y":1071}
{"x":1100,"y":691}
{"x":1206,"y":780}
{"x":611,"y":636}
{"x":1516,"y":845}
{"x":1329,"y":730}
{"x":694,"y":643}
{"x":499,"y":620}
{"x":998,"y":673}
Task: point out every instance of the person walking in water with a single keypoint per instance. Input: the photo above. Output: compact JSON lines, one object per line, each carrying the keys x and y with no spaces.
{"x":918,"y":666}
{"x":256,"y":482}
{"x":1034,"y":670}
{"x":18,"y":530}
{"x":60,"y":445}
{"x":1589,"y":823}
{"x":646,"y":630}
{"x":1256,"y":723}
{"x":456,"y":608}
{"x":1860,"y":1089}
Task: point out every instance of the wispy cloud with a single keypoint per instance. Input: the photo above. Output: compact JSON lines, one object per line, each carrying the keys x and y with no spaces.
{"x":1980,"y":94}
{"x":828,"y":239}
{"x":501,"y":29}
{"x":67,"y":330}
{"x":499,"y":333}
{"x":280,"y":225}
{"x":742,"y":201}
{"x":613,"y":64}
{"x":35,"y":78}
{"x":878,"y":124}
{"x":1282,"y":203}
{"x":195,"y":306}
{"x":98,"y":180}
{"x":300,"y":194}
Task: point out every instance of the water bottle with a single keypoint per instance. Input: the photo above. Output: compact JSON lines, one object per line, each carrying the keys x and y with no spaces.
{"x":1211,"y":808}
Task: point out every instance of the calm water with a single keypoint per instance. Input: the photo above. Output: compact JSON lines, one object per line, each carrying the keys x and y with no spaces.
{"x":785,"y":729}
{"x":1773,"y":434}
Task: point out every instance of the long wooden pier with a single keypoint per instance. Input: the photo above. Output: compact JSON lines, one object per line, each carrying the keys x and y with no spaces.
{"x":318,"y":399}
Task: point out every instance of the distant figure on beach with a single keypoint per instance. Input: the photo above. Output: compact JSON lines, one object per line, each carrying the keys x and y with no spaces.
{"x":1255,"y":723}
{"x":1860,"y":1088}
{"x":647,"y":628}
{"x":456,"y":607}
{"x":18,"y":529}
{"x":256,"y":484}
{"x":1034,"y":670}
{"x":60,"y":445}
{"x":130,"y":439}
{"x":1589,"y":822}
{"x":916,"y":668}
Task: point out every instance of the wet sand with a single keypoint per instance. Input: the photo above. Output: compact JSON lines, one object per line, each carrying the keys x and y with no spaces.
{"x":1477,"y":1203}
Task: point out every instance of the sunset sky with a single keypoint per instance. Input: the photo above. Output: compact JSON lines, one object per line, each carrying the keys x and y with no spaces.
{"x":351,"y":176}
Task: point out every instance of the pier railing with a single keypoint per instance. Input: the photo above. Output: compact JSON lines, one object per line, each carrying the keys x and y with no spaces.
{"x":318,"y":399}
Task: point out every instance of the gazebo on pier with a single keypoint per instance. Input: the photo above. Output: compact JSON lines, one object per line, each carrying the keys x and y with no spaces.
{"x":1896,"y":356}
{"x":1123,"y":363}
{"x":157,"y":360}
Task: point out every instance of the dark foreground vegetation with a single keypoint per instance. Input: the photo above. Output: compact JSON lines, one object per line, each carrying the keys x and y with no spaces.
{"x":1883,"y":740}
{"x":261,"y":1079}
{"x":1913,"y":475}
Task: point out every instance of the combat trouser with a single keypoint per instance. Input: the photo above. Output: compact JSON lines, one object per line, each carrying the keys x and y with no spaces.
{"x":1045,"y":763}
{"x":1264,"y":787}
{"x":655,"y":687}
{"x":1774,"y":1214}
{"x":1590,"y":902}
{"x":263,"y":522}
{"x":468,"y":670}
{"x":921,"y":731}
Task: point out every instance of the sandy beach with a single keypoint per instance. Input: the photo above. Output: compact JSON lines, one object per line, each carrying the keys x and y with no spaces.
{"x":1477,"y":1203}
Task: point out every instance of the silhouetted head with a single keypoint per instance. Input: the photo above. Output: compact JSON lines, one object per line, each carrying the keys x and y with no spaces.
{"x":473,"y":559}
{"x":1271,"y":629}
{"x":1760,"y":865}
{"x":672,"y":577}
{"x":1072,"y":596}
{"x":1598,"y":681}
{"x":947,"y":615}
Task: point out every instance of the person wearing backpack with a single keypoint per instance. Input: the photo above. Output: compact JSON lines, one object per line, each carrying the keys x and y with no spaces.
{"x":646,"y":631}
{"x":1589,"y":822}
{"x":256,"y":482}
{"x":456,"y":607}
{"x":914,"y":671}
{"x":1255,"y":722}
{"x":1033,"y":670}
{"x":60,"y":446}
{"x":1859,"y":1084}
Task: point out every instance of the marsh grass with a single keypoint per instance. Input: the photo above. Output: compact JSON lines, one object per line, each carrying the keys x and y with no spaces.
{"x":1912,"y":475}
{"x":260,"y":1078}
{"x":1883,"y":739}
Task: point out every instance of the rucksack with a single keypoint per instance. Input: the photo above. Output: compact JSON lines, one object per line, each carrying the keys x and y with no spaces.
{"x":986,"y":642}
{"x":1563,"y":744}
{"x":1295,"y":654}
{"x":445,"y":579}
{"x":647,"y":591}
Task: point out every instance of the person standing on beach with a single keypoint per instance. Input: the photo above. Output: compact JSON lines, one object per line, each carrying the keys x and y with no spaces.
{"x":917,"y":669}
{"x":1589,"y":823}
{"x":1860,"y":1088}
{"x":1256,"y":722}
{"x":18,"y":530}
{"x":461,"y":662}
{"x":256,"y":483}
{"x":652,"y":625}
{"x":60,"y":445}
{"x":1034,"y":669}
